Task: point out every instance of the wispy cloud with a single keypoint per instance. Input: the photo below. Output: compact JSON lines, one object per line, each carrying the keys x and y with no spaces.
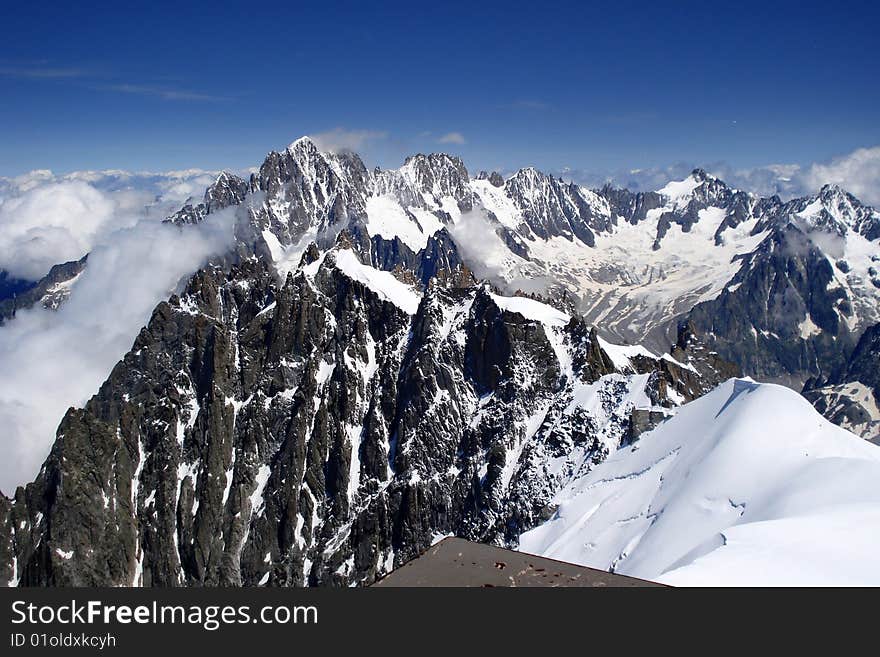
{"x":42,"y":72}
{"x":452,"y":138}
{"x":60,"y":358}
{"x":343,"y":139}
{"x":165,"y":93}
{"x":100,"y":81}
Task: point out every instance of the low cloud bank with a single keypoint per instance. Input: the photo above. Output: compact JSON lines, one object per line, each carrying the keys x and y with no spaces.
{"x":858,"y":172}
{"x":53,"y":360}
{"x":47,"y":219}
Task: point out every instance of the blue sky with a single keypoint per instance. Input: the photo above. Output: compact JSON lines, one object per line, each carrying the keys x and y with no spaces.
{"x":587,"y":86}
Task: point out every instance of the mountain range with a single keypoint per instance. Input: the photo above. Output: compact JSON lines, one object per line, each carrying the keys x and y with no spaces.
{"x":387,"y":357}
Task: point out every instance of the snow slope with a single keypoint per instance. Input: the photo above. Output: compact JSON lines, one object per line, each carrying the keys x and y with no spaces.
{"x":382,"y":283}
{"x":387,"y":218}
{"x":747,"y":485}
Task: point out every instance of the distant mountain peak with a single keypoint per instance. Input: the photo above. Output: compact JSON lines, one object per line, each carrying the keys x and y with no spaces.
{"x":494,"y":178}
{"x":700,"y":175}
{"x":434,"y":160}
{"x":304,"y":142}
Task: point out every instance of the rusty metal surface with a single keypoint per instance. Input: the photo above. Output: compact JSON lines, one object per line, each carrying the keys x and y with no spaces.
{"x":457,"y":562}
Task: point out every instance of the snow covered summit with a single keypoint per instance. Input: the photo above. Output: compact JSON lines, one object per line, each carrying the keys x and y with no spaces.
{"x":747,"y":485}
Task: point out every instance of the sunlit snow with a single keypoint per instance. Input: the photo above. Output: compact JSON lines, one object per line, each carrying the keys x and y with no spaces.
{"x":747,"y":485}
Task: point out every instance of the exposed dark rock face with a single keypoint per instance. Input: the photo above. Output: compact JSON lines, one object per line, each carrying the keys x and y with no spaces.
{"x":643,"y":420}
{"x":633,"y":206}
{"x":758,"y":320}
{"x":312,"y":432}
{"x":226,"y":191}
{"x":50,"y":291}
{"x":850,"y":396}
{"x":439,"y":254}
{"x":712,"y":369}
{"x":438,"y":175}
{"x":551,"y":208}
{"x":495,"y":178}
{"x":864,"y":364}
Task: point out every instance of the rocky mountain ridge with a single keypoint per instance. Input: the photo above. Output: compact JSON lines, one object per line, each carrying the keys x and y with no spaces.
{"x":388,"y":357}
{"x":323,"y":429}
{"x":50,"y":291}
{"x":784,"y":289}
{"x":849,"y":396}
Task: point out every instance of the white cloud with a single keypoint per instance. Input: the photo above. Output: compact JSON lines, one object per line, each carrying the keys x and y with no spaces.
{"x":51,"y":223}
{"x":858,"y":172}
{"x":42,"y":72}
{"x":635,"y":179}
{"x":165,"y":93}
{"x":54,"y":360}
{"x":452,"y":138}
{"x":175,"y":188}
{"x":47,"y":219}
{"x":474,"y":235}
{"x":486,"y":253}
{"x":340,"y":140}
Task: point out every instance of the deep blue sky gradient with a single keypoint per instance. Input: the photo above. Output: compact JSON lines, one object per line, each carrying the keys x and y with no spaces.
{"x":584,"y":85}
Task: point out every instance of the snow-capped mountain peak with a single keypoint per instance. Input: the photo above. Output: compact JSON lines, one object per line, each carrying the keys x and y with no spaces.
{"x":676,"y":189}
{"x":302,"y":143}
{"x":834,"y":209}
{"x":635,"y":264}
{"x":746,"y":485}
{"x":438,"y":176}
